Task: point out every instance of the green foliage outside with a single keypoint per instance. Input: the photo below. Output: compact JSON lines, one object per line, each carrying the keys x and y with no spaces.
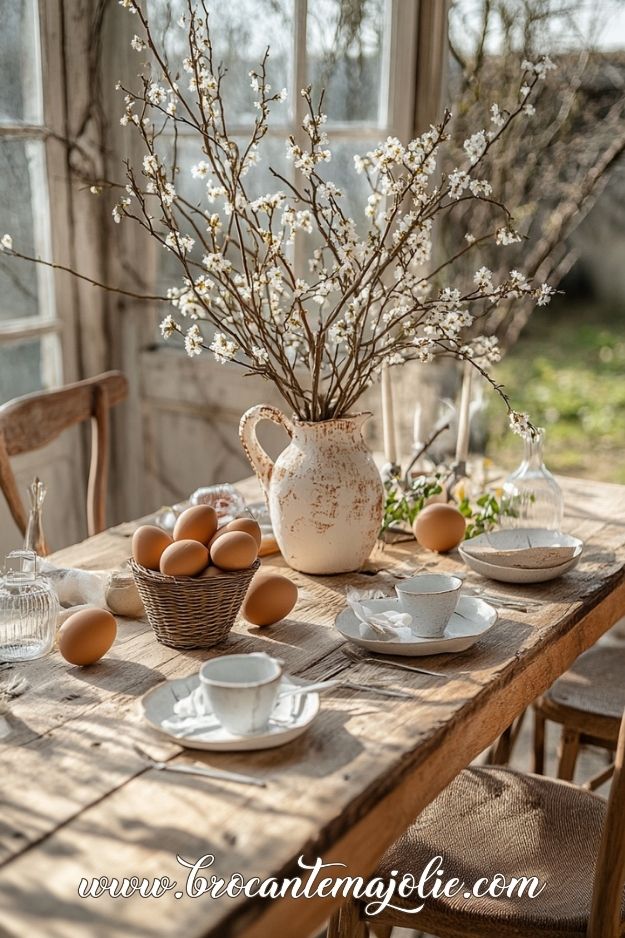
{"x":568,"y":371}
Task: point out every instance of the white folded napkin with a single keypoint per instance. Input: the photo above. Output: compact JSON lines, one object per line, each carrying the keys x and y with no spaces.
{"x":389,"y":626}
{"x":191,"y":714}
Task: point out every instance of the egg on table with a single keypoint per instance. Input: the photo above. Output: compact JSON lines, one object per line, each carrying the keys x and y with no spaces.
{"x":234,"y":550}
{"x":439,"y":527}
{"x":148,"y":544}
{"x":269,"y":599}
{"x":184,"y":558}
{"x":87,"y":635}
{"x":198,"y":523}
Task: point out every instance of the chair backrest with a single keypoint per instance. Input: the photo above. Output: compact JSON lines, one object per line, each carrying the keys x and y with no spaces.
{"x":27,"y":423}
{"x":607,"y":898}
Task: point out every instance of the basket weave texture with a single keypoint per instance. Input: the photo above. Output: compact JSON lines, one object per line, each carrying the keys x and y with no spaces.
{"x":192,"y":612}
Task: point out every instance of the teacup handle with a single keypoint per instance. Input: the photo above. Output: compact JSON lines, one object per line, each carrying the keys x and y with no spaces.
{"x":261,"y":462}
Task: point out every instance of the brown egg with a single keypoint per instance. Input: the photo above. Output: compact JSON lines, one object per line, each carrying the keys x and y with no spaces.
{"x":148,"y":543}
{"x":184,"y":558}
{"x":240,"y":524}
{"x":198,"y":523}
{"x":439,"y":527}
{"x":269,"y":599}
{"x":245,"y":524}
{"x":268,"y":545}
{"x":210,"y":573}
{"x":234,"y":550}
{"x":87,"y":635}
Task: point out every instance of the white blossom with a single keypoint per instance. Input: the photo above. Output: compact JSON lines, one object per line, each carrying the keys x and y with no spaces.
{"x":458,"y":181}
{"x":155,"y":94}
{"x":480,"y":187}
{"x":223,"y":348}
{"x":261,"y":355}
{"x":6,"y":243}
{"x":520,"y":424}
{"x":150,"y":164}
{"x":483,"y":279}
{"x":137,"y":43}
{"x":216,"y":263}
{"x":184,"y":243}
{"x":475,"y":145}
{"x":545,"y":65}
{"x":200,"y":170}
{"x":544,"y":294}
{"x":168,"y":327}
{"x":118,"y":210}
{"x":496,"y":116}
{"x":483,"y":350}
{"x":193,"y":341}
{"x":507,"y":236}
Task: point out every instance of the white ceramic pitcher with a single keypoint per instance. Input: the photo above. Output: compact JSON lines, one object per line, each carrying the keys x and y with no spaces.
{"x":324,"y":492}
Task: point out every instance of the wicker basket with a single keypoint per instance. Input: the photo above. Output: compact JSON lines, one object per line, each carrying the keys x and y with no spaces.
{"x":192,"y":612}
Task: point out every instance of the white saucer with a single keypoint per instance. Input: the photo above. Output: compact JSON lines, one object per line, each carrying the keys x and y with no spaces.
{"x":292,"y":715}
{"x":519,"y":574}
{"x":472,"y":619}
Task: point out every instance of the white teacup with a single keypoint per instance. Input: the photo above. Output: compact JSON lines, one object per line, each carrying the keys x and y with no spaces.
{"x":430,"y":598}
{"x":241,"y":690}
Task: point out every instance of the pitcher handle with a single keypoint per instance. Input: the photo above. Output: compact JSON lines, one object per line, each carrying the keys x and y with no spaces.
{"x":261,"y":462}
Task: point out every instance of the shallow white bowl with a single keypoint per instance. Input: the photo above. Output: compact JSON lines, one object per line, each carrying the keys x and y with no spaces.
{"x":518,"y":574}
{"x":528,"y":548}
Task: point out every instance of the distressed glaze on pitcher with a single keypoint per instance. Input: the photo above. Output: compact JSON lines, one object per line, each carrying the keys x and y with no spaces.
{"x":324,"y":491}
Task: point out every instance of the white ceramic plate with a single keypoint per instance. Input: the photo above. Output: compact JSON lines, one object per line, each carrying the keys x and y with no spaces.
{"x":290,"y":718}
{"x":518,"y":574}
{"x":529,"y":548}
{"x":472,"y":619}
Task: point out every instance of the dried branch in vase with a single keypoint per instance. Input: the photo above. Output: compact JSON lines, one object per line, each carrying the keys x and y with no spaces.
{"x":373,"y":295}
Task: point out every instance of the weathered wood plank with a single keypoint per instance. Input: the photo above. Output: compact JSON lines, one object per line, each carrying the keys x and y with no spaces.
{"x":77,"y":802}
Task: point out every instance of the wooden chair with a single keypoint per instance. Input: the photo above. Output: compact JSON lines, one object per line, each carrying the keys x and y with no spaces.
{"x":27,"y":423}
{"x":496,"y":820}
{"x":587,"y":702}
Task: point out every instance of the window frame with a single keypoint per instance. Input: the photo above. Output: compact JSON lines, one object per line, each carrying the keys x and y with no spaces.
{"x":49,"y":201}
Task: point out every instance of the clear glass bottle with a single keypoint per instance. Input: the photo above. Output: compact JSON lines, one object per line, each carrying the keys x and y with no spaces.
{"x":531,"y":496}
{"x":29,"y":609}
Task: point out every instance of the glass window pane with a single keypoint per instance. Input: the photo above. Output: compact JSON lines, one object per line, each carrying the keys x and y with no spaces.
{"x":344,"y":42}
{"x":241,"y":33}
{"x":23,"y":197}
{"x":20,"y":98}
{"x":20,"y":368}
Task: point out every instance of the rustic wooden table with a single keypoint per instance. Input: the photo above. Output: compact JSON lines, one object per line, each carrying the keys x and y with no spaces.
{"x":77,"y":801}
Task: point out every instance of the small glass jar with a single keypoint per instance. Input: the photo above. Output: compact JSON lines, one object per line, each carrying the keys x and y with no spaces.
{"x":531,"y":496}
{"x":29,"y":609}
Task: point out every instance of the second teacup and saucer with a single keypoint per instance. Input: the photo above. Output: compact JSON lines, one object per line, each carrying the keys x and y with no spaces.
{"x":440,"y":620}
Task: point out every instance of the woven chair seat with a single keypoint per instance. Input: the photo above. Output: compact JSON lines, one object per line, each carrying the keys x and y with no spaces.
{"x":590,"y":696}
{"x":492,"y":820}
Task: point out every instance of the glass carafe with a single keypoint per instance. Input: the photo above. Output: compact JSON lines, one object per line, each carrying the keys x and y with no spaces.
{"x":531,"y":496}
{"x":29,"y":609}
